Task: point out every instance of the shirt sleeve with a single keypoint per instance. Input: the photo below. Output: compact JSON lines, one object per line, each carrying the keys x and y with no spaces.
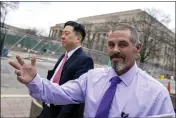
{"x":71,"y":92}
{"x":163,"y":105}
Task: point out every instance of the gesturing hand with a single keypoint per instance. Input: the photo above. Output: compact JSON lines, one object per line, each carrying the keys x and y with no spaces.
{"x":25,"y":72}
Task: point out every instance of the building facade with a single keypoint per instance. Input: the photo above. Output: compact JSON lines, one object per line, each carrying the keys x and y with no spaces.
{"x":97,"y":28}
{"x":13,"y":30}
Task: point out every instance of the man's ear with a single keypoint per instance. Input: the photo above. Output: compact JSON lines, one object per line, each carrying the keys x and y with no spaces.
{"x":138,"y":47}
{"x":79,"y":38}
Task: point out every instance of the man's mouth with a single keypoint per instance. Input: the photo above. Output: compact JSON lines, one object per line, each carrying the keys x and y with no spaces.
{"x":117,"y":59}
{"x":62,"y":41}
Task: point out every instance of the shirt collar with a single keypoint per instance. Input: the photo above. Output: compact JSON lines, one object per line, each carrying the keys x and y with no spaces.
{"x":69,"y":54}
{"x":126,"y":77}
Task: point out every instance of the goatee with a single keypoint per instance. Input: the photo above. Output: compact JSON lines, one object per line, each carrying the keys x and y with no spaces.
{"x":118,"y":66}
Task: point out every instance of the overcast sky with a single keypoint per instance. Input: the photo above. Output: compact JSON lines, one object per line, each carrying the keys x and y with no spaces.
{"x":43,"y":15}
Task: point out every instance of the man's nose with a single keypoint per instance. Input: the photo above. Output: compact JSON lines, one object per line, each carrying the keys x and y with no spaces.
{"x":62,"y":36}
{"x":116,"y":49}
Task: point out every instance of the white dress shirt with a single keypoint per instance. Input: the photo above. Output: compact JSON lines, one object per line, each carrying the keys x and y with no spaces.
{"x":69,"y":55}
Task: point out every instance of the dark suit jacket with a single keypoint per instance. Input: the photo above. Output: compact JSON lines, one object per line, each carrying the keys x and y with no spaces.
{"x":75,"y":66}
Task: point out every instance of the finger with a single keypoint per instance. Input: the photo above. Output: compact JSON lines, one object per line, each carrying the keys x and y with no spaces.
{"x":20,"y":60}
{"x":33,"y":60}
{"x":15,"y":65}
{"x":20,"y":78}
{"x":18,"y":72}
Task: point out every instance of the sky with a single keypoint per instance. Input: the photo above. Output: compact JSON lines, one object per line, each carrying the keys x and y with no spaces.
{"x":43,"y":15}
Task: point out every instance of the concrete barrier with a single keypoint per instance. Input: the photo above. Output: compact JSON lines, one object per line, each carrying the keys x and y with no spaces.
{"x":36,"y":108}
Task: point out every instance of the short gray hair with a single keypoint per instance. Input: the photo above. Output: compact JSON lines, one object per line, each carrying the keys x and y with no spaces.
{"x":134,"y":34}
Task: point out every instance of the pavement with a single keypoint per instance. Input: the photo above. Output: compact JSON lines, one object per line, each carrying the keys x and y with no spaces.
{"x":15,"y":106}
{"x":15,"y":101}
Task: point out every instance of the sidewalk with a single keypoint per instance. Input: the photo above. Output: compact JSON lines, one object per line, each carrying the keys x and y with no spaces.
{"x":15,"y":107}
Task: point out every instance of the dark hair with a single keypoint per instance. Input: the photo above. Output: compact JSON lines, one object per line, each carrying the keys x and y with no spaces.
{"x":78,"y":28}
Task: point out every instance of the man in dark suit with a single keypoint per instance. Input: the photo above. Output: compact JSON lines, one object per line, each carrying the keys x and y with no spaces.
{"x":70,"y":66}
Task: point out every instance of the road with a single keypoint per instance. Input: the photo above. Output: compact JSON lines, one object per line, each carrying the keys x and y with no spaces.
{"x":9,"y":83}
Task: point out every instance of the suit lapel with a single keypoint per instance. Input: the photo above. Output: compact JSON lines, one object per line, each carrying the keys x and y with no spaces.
{"x":78,"y":51}
{"x":51,"y":72}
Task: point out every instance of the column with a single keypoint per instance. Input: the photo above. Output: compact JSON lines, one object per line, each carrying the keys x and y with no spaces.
{"x":49,"y":33}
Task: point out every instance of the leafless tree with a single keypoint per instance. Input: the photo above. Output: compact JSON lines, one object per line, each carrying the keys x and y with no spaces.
{"x":5,"y":6}
{"x":34,"y":31}
{"x":90,"y":35}
{"x":97,"y":33}
{"x":112,"y":22}
{"x":152,"y":32}
{"x":151,"y":25}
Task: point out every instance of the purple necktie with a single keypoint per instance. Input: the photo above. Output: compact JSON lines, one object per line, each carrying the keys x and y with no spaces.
{"x":105,"y":104}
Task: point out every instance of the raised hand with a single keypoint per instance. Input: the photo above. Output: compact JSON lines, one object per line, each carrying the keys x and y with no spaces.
{"x":25,"y":72}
